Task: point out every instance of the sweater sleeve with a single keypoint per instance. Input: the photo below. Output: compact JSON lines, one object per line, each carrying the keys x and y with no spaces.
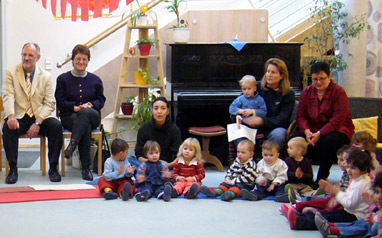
{"x":281,"y":173}
{"x":261,"y":111}
{"x":109,"y":173}
{"x":235,"y":106}
{"x":340,"y":110}
{"x":63,"y":104}
{"x":302,"y":113}
{"x":200,"y":174}
{"x":99,"y":99}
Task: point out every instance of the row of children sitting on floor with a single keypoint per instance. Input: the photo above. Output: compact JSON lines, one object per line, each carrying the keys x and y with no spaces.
{"x":345,"y":210}
{"x":153,"y":177}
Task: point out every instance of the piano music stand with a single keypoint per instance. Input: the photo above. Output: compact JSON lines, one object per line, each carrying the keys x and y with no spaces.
{"x":206,"y":133}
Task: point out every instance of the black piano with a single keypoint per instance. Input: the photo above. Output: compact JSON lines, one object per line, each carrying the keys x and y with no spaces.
{"x":204,"y":81}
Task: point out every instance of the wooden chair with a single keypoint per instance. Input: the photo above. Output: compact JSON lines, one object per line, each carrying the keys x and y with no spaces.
{"x":206,"y":133}
{"x":42,"y":146}
{"x":96,"y":134}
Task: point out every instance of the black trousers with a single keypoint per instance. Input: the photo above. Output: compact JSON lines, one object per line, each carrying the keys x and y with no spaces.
{"x":325,"y":151}
{"x":305,"y":221}
{"x":81,"y":125}
{"x":50,"y":128}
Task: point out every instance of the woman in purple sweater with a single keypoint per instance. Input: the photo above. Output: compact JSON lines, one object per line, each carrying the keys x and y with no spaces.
{"x":79,"y":97}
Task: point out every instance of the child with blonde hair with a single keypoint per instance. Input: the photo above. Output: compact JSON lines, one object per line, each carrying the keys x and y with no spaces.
{"x":188,"y":171}
{"x":250,"y":103}
{"x":241,"y":174}
{"x":300,"y":172}
{"x":152,"y":174}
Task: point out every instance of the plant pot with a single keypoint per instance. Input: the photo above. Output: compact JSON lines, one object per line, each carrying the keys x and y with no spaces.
{"x":142,"y":20}
{"x":144,"y":49}
{"x":139,"y":79}
{"x":181,"y":35}
{"x":127,"y":108}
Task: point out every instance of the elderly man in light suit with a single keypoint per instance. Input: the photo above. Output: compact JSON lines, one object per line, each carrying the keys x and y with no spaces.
{"x":28,"y":105}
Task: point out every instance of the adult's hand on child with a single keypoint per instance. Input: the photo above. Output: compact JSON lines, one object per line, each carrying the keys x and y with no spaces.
{"x":140,"y":178}
{"x":248,"y":112}
{"x":166,"y":174}
{"x":130,"y":169}
{"x":190,"y":179}
{"x":181,"y":179}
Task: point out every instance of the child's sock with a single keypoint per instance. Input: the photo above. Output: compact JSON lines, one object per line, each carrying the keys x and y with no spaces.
{"x":334,"y":230}
{"x":219,"y":191}
{"x":106,"y":190}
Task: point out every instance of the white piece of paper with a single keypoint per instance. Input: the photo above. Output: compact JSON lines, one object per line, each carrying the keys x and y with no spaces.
{"x":235,"y":133}
{"x":62,"y":187}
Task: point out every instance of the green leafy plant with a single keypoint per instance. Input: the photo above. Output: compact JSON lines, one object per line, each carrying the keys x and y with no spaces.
{"x":131,"y":99}
{"x":143,"y":72}
{"x":140,"y":12}
{"x":333,"y":27}
{"x":144,"y":41}
{"x":153,"y":81}
{"x":174,"y":7}
{"x":142,"y":112}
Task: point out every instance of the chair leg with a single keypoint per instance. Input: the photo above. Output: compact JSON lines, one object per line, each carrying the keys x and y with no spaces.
{"x":6,"y":166}
{"x":63,"y":159}
{"x":100,"y":155}
{"x":43,"y":155}
{"x":1,"y":153}
{"x":208,"y":158}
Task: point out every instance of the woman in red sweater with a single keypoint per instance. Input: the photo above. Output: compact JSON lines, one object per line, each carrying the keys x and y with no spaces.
{"x":323,"y":116}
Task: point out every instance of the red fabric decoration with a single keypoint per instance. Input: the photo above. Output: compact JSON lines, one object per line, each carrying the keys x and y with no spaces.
{"x":53,"y":5}
{"x":84,"y":10}
{"x":97,"y":7}
{"x":113,"y":4}
{"x":44,"y":3}
{"x":63,"y":9}
{"x":74,"y":4}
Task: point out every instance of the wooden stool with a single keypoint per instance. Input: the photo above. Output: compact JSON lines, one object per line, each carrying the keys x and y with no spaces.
{"x":206,"y":133}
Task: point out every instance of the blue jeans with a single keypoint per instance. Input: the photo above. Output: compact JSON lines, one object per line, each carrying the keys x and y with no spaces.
{"x":279,"y":135}
{"x":133,"y":161}
{"x":351,"y":229}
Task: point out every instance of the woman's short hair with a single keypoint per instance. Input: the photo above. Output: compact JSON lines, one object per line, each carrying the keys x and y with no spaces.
{"x":150,"y":145}
{"x":300,"y":142}
{"x":284,"y":85}
{"x":162,"y":99}
{"x":194,"y":143}
{"x":83,"y":49}
{"x":319,"y":66}
{"x":248,"y":79}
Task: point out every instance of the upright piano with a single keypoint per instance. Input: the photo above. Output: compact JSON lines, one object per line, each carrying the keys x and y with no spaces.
{"x":204,"y":81}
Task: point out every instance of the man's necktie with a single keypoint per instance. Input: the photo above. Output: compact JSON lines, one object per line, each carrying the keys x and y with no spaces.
{"x":29,"y":87}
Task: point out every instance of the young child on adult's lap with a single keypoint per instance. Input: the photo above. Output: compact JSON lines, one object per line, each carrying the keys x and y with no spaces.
{"x":152,"y":174}
{"x":272,"y":175}
{"x":359,"y":165}
{"x":188,"y":171}
{"x":116,"y":178}
{"x":241,"y":174}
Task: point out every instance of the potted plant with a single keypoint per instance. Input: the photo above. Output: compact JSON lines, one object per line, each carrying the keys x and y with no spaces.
{"x":144,"y":45}
{"x":142,"y":112}
{"x":139,"y":17}
{"x":141,"y":76}
{"x":333,"y":27}
{"x":128,"y":106}
{"x":181,"y":30}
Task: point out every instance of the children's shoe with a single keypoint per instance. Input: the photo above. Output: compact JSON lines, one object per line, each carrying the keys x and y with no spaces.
{"x":293,"y":195}
{"x":251,"y":196}
{"x":291,"y":218}
{"x":226,"y":196}
{"x":110,"y":195}
{"x":192,"y":192}
{"x":126,"y":191}
{"x":322,"y":224}
{"x":207,"y":191}
{"x":167,"y":192}
{"x":142,"y":196}
{"x":284,"y":210}
{"x":287,"y":187}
